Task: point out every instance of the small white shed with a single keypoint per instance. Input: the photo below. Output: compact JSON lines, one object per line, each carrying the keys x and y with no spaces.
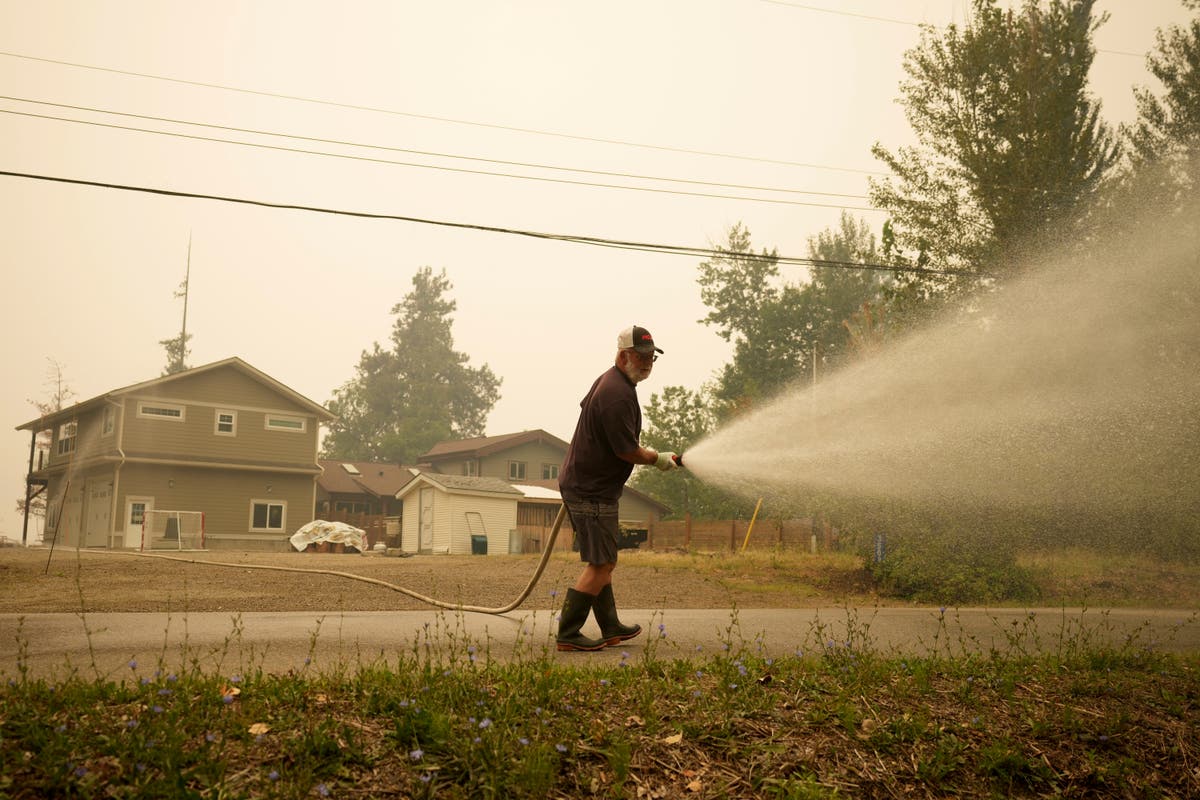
{"x":457,"y":514}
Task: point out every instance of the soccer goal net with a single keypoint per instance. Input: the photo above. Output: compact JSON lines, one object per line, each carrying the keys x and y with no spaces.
{"x":173,"y":530}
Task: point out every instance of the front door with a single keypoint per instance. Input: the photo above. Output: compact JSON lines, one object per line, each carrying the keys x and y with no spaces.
{"x":425,"y":522}
{"x":135,"y":514}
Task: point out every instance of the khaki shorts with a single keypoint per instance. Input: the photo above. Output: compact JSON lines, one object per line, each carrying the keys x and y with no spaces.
{"x":596,"y":530}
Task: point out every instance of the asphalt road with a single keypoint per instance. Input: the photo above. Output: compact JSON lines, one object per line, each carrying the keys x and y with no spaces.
{"x":104,"y":644}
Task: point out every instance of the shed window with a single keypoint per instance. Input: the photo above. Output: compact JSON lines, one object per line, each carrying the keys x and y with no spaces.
{"x":516,"y":470}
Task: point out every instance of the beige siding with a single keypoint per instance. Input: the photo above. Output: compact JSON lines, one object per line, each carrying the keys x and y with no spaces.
{"x":196,"y":437}
{"x":451,"y":532}
{"x":499,"y":516}
{"x":226,"y":384}
{"x":533,"y":454}
{"x":634,"y":510}
{"x":89,"y":439}
{"x":225,"y":497}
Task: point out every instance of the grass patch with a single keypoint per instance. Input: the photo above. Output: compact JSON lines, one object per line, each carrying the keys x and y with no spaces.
{"x":442,"y":719}
{"x":1080,"y":577}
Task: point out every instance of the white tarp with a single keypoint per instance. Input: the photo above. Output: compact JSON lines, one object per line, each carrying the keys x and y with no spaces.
{"x":321,"y":531}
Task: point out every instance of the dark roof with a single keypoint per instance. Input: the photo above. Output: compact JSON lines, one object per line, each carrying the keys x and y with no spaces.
{"x":486,"y":445}
{"x":380,"y":480}
{"x":466,"y":483}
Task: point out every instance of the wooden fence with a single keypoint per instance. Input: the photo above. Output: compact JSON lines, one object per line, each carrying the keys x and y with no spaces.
{"x":729,"y":535}
{"x":681,"y":534}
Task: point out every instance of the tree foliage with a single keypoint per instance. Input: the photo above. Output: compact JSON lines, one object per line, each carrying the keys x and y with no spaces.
{"x":1009,"y":141}
{"x":779,"y":326}
{"x":677,"y":419}
{"x":58,"y":396}
{"x":1167,"y":130}
{"x":415,"y":393}
{"x":177,"y":346}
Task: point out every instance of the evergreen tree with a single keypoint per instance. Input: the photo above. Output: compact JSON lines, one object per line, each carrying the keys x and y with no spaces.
{"x":419,"y":391}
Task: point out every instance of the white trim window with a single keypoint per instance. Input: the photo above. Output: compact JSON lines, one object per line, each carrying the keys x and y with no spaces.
{"x":108,"y":421}
{"x":268,"y":516}
{"x":516,"y":470}
{"x":67,"y":433}
{"x":470,"y":468}
{"x":279,"y":422}
{"x":225,"y":422}
{"x":549,"y":472}
{"x":169,"y":411}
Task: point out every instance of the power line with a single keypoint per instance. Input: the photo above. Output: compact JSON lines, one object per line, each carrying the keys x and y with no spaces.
{"x":667,"y":249}
{"x":430,"y":117}
{"x":388,"y":148}
{"x":461,"y":170}
{"x":905,"y":22}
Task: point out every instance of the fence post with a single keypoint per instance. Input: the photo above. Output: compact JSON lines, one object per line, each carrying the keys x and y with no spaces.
{"x":687,"y":531}
{"x":733,"y":535}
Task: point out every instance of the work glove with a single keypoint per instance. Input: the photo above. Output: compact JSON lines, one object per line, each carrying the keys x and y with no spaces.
{"x":666,"y":462}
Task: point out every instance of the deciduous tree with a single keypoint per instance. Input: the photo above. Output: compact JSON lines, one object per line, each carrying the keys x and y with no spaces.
{"x":1009,"y":141}
{"x":58,"y":396}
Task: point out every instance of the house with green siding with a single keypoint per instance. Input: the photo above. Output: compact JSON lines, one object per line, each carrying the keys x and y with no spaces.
{"x":224,"y":439}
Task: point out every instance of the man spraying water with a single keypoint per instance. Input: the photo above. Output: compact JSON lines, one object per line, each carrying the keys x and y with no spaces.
{"x":601,"y":457}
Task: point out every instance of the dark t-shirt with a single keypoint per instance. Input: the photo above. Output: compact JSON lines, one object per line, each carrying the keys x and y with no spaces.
{"x":610,"y":422}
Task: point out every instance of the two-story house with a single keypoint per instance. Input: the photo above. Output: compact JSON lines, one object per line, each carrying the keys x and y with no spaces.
{"x":224,"y":439}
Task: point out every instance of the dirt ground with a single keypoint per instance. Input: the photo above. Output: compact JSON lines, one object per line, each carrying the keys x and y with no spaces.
{"x":33,"y":581}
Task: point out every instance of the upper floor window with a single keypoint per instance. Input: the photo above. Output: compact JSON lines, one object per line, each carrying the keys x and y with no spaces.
{"x":161,"y":411}
{"x":470,"y":468}
{"x":516,"y":470}
{"x":66,"y":438}
{"x":549,"y":471}
{"x":225,"y":423}
{"x":278,"y":422}
{"x":108,"y":422}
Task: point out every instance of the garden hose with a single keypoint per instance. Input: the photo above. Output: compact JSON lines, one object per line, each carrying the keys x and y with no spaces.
{"x":537,"y":573}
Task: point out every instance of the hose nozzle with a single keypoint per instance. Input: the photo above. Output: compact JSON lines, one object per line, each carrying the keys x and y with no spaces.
{"x":678,"y":459}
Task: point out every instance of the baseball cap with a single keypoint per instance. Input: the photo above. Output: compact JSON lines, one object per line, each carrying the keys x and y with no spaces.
{"x":637,"y":338}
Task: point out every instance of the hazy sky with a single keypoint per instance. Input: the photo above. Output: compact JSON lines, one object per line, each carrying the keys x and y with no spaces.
{"x":90,"y":272}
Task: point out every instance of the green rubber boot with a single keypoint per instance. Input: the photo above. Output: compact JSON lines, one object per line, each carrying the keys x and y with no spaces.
{"x":611,"y":629}
{"x":575,"y":612}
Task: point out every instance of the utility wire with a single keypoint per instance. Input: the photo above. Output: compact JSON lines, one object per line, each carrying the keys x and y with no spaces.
{"x":430,"y":117}
{"x":461,"y":170}
{"x":706,"y":252}
{"x":341,"y":142}
{"x":906,"y":22}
